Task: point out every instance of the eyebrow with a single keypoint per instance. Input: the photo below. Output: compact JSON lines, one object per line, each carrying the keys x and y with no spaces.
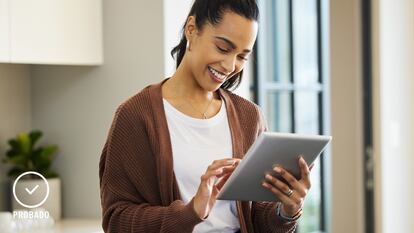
{"x":232,"y":45}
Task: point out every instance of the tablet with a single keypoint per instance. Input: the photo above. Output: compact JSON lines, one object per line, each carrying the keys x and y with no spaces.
{"x":268,"y":150}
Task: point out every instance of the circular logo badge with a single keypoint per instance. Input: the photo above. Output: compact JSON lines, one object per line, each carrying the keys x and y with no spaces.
{"x":32,"y":190}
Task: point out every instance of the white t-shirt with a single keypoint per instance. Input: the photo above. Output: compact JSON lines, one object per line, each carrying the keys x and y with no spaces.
{"x":196,"y":143}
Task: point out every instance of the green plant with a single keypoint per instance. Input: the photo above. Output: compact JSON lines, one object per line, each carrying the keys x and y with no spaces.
{"x":24,"y":156}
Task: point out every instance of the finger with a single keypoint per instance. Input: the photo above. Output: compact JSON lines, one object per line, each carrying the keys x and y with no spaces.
{"x":211,"y":173}
{"x":226,"y":174}
{"x":311,"y":166}
{"x":304,"y":170}
{"x":226,"y":171}
{"x":221,"y":163}
{"x":280,"y":195}
{"x":290,"y":179}
{"x":238,"y":161}
{"x":222,"y":181}
{"x":230,"y":168}
{"x":217,"y":173}
{"x":284,"y":187}
{"x":219,"y":168}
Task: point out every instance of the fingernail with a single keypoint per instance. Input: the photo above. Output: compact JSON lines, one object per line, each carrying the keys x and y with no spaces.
{"x":277,"y":169}
{"x":275,"y":165}
{"x":268,"y":176}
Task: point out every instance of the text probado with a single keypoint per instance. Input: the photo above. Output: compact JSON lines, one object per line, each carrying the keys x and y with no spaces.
{"x":24,"y":214}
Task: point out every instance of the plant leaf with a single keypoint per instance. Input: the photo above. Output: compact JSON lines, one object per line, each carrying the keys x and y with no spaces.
{"x":14,"y":144}
{"x":35,"y":135}
{"x":48,"y":151}
{"x":42,"y":164}
{"x":24,"y":156}
{"x":12,"y":153}
{"x":42,"y":158}
{"x":49,"y":174}
{"x":24,"y":142}
{"x":15,"y":172}
{"x":36,"y":156}
{"x":19,"y":160}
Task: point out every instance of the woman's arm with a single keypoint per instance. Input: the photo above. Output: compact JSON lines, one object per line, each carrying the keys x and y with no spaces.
{"x":123,"y":215}
{"x":130,"y":195}
{"x":265,"y":219}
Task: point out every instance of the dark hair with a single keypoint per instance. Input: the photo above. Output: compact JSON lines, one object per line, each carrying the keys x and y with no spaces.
{"x":212,"y":11}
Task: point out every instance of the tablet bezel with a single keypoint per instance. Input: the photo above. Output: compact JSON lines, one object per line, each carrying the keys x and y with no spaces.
{"x":269,"y":149}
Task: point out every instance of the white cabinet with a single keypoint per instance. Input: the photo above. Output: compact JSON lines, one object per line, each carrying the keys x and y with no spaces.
{"x":55,"y":31}
{"x":4,"y":31}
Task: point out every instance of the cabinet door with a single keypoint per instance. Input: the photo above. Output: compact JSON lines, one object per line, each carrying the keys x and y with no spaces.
{"x":4,"y":31}
{"x":56,"y":31}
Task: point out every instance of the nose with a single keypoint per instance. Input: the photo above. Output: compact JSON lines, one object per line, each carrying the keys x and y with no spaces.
{"x":229,"y":64}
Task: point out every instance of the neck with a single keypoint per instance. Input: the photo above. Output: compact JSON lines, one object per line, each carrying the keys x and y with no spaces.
{"x":184,"y":85}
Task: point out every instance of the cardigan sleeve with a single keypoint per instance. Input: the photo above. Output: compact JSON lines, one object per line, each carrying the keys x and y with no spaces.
{"x":264,"y":213}
{"x":129,"y":192}
{"x":265,"y":219}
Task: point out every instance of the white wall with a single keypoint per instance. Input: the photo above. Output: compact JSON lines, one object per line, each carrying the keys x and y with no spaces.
{"x":75,"y":106}
{"x":394,"y":114}
{"x":15,"y":116}
{"x":346,"y":117}
{"x":175,"y":15}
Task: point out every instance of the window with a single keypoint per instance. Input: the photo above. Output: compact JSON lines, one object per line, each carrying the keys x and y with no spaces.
{"x":289,"y":83}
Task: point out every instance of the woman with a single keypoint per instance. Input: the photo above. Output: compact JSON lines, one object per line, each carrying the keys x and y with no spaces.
{"x":172,"y":146}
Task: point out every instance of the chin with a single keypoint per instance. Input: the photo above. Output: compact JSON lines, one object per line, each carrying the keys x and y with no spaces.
{"x":206,"y":84}
{"x":211,"y":88}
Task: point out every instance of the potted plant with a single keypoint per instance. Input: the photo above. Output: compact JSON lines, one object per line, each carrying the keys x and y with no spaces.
{"x":24,"y":156}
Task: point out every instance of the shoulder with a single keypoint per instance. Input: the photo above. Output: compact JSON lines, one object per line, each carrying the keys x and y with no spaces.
{"x":136,"y":106}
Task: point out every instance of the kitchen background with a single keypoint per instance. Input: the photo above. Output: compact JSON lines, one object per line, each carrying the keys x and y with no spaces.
{"x":73,"y":99}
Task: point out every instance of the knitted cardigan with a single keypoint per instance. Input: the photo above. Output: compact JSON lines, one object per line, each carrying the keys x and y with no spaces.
{"x":139,"y":192}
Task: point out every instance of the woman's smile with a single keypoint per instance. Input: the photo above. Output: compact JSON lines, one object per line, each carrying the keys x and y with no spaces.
{"x":216,"y":75}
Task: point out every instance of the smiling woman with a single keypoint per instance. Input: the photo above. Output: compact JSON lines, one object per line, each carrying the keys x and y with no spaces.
{"x":172,"y":146}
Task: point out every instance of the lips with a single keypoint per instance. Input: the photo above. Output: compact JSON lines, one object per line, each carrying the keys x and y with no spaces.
{"x":216,"y":75}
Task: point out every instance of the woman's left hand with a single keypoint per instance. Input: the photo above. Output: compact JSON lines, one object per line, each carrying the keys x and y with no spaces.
{"x":292,"y":195}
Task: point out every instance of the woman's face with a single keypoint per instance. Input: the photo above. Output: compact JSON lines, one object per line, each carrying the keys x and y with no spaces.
{"x":219,"y":52}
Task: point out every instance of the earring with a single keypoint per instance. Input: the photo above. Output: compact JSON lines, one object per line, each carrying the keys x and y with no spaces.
{"x":188,"y":45}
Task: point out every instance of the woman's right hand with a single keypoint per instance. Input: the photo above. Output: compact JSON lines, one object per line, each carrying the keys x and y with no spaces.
{"x":209,"y":187}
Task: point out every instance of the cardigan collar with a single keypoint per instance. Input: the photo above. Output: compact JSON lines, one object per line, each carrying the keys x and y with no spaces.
{"x":164,"y":159}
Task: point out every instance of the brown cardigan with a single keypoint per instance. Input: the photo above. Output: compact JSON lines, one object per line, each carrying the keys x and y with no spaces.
{"x":139,"y":192}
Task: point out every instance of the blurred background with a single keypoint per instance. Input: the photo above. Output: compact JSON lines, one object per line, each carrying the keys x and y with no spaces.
{"x":342,"y":68}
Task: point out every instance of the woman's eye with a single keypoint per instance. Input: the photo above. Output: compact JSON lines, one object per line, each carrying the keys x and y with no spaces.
{"x":226,"y":51}
{"x":222,"y":50}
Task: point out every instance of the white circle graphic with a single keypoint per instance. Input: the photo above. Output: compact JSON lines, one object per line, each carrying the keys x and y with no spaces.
{"x":47,"y":189}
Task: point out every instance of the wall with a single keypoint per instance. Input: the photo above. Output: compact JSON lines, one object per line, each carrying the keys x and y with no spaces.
{"x":346,"y":117}
{"x":393,"y":83}
{"x":75,"y":105}
{"x":15,"y":116}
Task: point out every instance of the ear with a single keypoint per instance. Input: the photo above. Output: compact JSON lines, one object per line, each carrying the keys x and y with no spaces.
{"x":190,"y":28}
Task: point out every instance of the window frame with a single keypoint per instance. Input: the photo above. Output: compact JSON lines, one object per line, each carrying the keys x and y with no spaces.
{"x":260,"y":86}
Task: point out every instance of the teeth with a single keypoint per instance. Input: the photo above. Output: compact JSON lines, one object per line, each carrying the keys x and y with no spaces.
{"x":217,"y":74}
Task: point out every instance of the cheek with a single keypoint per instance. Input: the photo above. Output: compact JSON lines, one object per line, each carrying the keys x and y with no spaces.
{"x":239,"y":67}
